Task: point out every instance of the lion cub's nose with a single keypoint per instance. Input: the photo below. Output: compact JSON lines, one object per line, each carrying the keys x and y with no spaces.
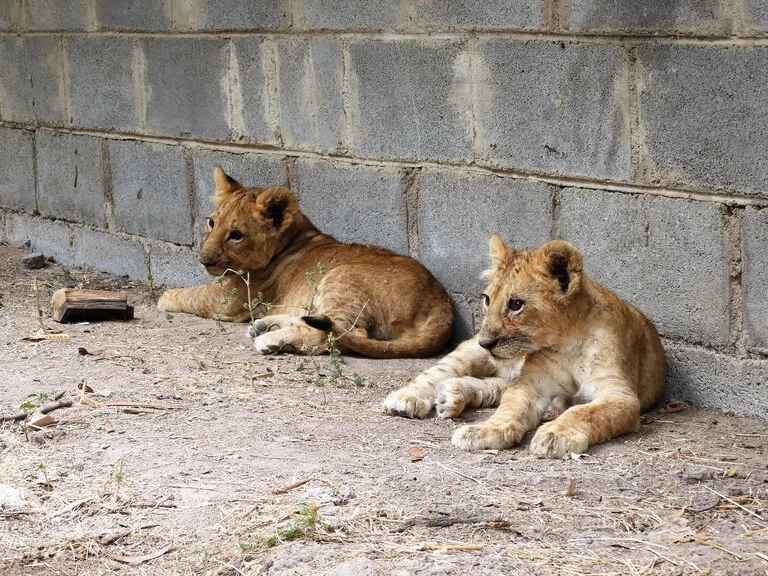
{"x":207,"y":261}
{"x":488,"y":343}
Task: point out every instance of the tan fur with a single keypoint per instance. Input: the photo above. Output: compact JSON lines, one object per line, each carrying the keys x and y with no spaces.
{"x":380,"y":304}
{"x":571,"y":343}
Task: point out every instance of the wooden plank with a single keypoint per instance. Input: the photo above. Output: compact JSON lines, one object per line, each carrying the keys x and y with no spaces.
{"x":80,"y":305}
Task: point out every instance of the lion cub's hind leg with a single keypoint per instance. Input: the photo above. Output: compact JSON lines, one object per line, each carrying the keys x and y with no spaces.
{"x":283,"y":333}
{"x":456,"y":394}
{"x":583,"y":425}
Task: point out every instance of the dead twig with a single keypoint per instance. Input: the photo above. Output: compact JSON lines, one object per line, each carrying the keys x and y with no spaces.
{"x":475,"y":480}
{"x":450,"y":547}
{"x":38,"y":311}
{"x":290,"y":487}
{"x":747,"y":510}
{"x":137,"y":405}
{"x":13,"y":417}
{"x":55,"y":406}
{"x":137,"y":560}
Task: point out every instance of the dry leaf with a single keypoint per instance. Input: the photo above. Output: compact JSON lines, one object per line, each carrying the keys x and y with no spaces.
{"x":84,"y":352}
{"x":137,"y":560}
{"x":84,"y":387}
{"x":416,"y":454}
{"x":41,"y":422}
{"x":50,"y":336}
{"x":674,"y":406}
{"x":571,"y":490}
{"x":579,"y":457}
{"x":108,"y":426}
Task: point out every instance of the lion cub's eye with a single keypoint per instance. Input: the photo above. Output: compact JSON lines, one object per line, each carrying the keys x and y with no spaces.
{"x":486,"y":300}
{"x":515,"y":305}
{"x":209,"y":223}
{"x":235,"y":235}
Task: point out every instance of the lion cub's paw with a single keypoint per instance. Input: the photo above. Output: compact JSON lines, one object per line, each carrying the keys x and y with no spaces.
{"x":259,"y":327}
{"x":450,"y":399}
{"x":552,"y":441}
{"x":484,"y":437}
{"x":273,"y":343}
{"x":408,"y":403}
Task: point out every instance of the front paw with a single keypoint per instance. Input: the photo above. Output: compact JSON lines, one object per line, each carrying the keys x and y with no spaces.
{"x":450,"y":399}
{"x":552,"y":441}
{"x":485,"y":437}
{"x":408,"y":403}
{"x":256,"y":329}
{"x":273,"y":343}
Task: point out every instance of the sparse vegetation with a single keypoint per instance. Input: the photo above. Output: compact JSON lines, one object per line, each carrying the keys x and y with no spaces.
{"x":35,"y":400}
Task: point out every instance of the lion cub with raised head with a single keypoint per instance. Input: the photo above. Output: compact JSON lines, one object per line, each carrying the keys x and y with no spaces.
{"x":551,"y":338}
{"x":373,"y":301}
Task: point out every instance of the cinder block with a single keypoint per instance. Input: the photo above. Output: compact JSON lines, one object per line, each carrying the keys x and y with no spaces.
{"x":15,"y":89}
{"x":707,"y":378}
{"x":56,"y":15}
{"x":310,"y":81}
{"x":410,"y":99}
{"x":666,"y":256}
{"x":441,"y":15}
{"x":702,"y":117}
{"x":232,"y":14}
{"x":102,"y":83}
{"x":133,"y":15}
{"x":699,"y":17}
{"x":347,"y":15}
{"x":17,"y":170}
{"x":460,"y":211}
{"x":355,"y":203}
{"x":186,"y":87}
{"x":150,"y":192}
{"x":757,"y":15}
{"x":251,"y":170}
{"x":46,"y":66}
{"x":175,"y":265}
{"x":69,"y":178}
{"x":554,"y":107}
{"x":427,"y":15}
{"x":5,"y":14}
{"x":109,"y":253}
{"x":44,"y":236}
{"x":250,"y":102}
{"x":755,"y":276}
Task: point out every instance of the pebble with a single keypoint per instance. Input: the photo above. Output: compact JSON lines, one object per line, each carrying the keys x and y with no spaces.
{"x":33,"y":261}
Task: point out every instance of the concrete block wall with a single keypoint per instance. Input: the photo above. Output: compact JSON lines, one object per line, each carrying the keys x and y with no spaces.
{"x":636,"y":130}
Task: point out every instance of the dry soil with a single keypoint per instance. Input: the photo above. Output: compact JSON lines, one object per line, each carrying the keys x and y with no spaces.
{"x":192,"y":455}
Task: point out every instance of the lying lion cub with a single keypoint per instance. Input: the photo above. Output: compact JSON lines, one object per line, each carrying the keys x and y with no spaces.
{"x":375,"y":302}
{"x":551,"y":337}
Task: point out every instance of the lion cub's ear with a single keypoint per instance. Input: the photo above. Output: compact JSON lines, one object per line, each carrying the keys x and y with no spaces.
{"x":225,"y":184}
{"x":563,"y":262}
{"x":277,"y":204}
{"x":498,"y":250}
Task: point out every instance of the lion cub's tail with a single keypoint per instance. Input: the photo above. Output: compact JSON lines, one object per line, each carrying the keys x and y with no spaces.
{"x":427,"y":338}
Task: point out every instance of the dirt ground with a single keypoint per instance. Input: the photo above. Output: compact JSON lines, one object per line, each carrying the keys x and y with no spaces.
{"x":187,"y":479}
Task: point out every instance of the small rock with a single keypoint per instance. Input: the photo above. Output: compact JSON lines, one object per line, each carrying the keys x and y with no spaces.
{"x":33,"y":261}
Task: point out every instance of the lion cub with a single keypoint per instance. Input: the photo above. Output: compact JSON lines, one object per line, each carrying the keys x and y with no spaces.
{"x":373,"y":301}
{"x":551,"y":337}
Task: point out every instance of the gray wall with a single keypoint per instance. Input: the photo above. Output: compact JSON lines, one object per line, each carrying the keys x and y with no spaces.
{"x":637,"y":130}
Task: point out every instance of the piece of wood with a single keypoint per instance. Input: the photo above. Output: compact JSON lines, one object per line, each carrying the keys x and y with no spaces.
{"x":79,"y":305}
